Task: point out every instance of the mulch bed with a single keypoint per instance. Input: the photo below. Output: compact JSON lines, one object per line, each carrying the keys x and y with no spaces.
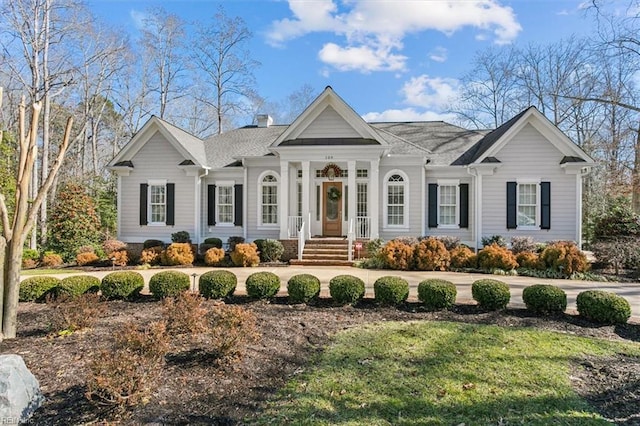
{"x":193,"y":390}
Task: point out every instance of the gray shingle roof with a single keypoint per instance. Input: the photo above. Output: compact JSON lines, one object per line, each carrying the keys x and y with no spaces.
{"x":190,"y":143}
{"x":248,"y":141}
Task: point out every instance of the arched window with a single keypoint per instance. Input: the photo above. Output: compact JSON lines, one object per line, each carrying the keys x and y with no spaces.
{"x":268,"y":202}
{"x":396,"y":202}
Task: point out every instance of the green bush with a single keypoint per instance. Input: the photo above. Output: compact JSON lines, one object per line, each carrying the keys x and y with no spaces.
{"x":262,"y":285}
{"x":77,"y":284}
{"x":216,"y":242}
{"x":303,"y":288}
{"x":152,"y":243}
{"x":122,"y":285}
{"x":35,"y":288}
{"x":30,"y":254}
{"x":391,"y":290}
{"x":545,"y":299}
{"x":603,"y":307}
{"x":168,"y":284}
{"x":490,"y":294}
{"x":232,"y":241}
{"x":437,"y":294}
{"x":217,"y":284}
{"x":345,"y":289}
{"x":181,"y":237}
{"x":271,"y":251}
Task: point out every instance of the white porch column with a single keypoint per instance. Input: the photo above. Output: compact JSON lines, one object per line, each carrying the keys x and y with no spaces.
{"x":374,"y":198}
{"x":351,"y":199}
{"x":306,"y":184}
{"x":284,"y":199}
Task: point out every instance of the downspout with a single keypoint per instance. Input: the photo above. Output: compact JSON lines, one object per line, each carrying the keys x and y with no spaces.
{"x":245,"y":200}
{"x":477,"y":205}
{"x":198,"y":212}
{"x":423,"y":197}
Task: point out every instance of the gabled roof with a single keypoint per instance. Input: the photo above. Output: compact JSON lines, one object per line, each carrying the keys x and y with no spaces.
{"x":191,"y":147}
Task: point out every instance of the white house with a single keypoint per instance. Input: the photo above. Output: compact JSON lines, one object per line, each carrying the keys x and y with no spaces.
{"x":330,"y":173}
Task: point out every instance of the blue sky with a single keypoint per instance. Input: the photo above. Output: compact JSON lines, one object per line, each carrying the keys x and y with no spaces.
{"x":389,"y":59}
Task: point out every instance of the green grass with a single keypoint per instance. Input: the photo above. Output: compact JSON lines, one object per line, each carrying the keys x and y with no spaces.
{"x":48,"y":271}
{"x":438,"y":373}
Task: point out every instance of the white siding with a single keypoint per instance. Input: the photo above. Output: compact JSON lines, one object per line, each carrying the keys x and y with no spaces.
{"x":157,"y":159}
{"x":220,"y":231}
{"x":329,"y":124}
{"x":251,"y":188}
{"x":414,"y":198}
{"x":530,"y":156}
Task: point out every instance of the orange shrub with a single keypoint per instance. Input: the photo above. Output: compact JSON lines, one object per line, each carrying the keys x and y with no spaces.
{"x":564,"y":257}
{"x":494,"y":256}
{"x":528,"y":259}
{"x":51,"y":259}
{"x":245,"y":254}
{"x":112,"y":245}
{"x":151,"y":255}
{"x":119,"y":258}
{"x":177,"y":254}
{"x":397,"y":255}
{"x":213,"y":256}
{"x":86,"y":258}
{"x":463,"y":257}
{"x":431,"y":254}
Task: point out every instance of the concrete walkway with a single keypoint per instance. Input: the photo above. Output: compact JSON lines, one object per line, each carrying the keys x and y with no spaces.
{"x":630,"y":291}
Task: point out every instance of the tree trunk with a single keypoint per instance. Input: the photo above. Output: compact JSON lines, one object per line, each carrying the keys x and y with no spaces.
{"x":11,"y":278}
{"x":3,"y":247}
{"x":635,"y":176}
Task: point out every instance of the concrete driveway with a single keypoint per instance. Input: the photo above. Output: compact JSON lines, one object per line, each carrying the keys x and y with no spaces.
{"x":630,"y":291}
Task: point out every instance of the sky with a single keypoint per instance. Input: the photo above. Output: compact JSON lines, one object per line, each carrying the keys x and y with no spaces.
{"x":391,"y":60}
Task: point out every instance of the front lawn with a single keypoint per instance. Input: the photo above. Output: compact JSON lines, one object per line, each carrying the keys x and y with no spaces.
{"x":444,"y":373}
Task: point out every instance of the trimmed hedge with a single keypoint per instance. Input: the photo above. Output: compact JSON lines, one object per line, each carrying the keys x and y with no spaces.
{"x":491,"y":294}
{"x":217,"y":284}
{"x":303,"y":288}
{"x":216,"y":242}
{"x":168,"y":284}
{"x":152,"y":243}
{"x":122,"y":285}
{"x":391,"y":290}
{"x":346,"y":289}
{"x":437,"y":293}
{"x":262,"y":285}
{"x":35,"y":288}
{"x":545,"y":299}
{"x":77,"y":284}
{"x":603,"y":307}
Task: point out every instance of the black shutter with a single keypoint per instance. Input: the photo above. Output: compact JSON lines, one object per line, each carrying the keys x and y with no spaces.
{"x":545,"y":198}
{"x":433,"y":205}
{"x":144,"y":190}
{"x":237,"y":221}
{"x":211,"y":205}
{"x":512,"y":222}
{"x":171,"y":204}
{"x":464,"y":205}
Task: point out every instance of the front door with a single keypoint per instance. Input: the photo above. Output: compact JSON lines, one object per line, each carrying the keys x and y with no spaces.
{"x":332,"y":212}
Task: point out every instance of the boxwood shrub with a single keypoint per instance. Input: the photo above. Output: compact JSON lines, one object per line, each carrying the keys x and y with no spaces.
{"x":262,"y":285}
{"x":603,"y":307}
{"x":545,"y":299}
{"x":391,"y":290}
{"x":303,"y":288}
{"x":152,"y":243}
{"x":490,"y":294}
{"x":215,"y":242}
{"x":345,"y":289}
{"x":168,"y":284}
{"x":436,"y":293}
{"x":35,"y":288}
{"x":76,"y":285}
{"x":271,"y":250}
{"x":121,"y":285}
{"x":217,"y":284}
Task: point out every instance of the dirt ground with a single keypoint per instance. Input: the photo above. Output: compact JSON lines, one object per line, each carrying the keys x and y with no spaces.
{"x":196,"y":392}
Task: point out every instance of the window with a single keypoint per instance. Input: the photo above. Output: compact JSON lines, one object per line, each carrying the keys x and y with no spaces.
{"x":448,"y":204}
{"x":269,"y":199}
{"x":361,"y":200}
{"x":395,"y":190}
{"x":362,"y":173}
{"x":225,"y":204}
{"x":299,"y":204}
{"x":158,"y":203}
{"x":527,"y":204}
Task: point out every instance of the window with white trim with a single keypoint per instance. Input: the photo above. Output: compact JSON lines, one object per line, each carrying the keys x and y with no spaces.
{"x":269,"y":200}
{"x":157,"y":203}
{"x":447,"y":204}
{"x":395,"y":190}
{"x":527,"y":204}
{"x":299,"y":198}
{"x":361,"y":199}
{"x":224,"y":204}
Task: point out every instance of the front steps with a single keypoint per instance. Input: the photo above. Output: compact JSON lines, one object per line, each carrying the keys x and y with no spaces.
{"x":325,"y":252}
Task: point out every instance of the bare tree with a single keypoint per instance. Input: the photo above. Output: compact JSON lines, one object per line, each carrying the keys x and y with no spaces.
{"x":221,"y":55}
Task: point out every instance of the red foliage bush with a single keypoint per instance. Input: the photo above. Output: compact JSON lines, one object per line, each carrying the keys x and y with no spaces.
{"x":397,"y":255}
{"x":494,"y":256}
{"x":463,"y":257}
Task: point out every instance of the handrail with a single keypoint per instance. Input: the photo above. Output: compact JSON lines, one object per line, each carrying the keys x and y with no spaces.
{"x":301,"y":241}
{"x":309,"y":226}
{"x":350,"y":236}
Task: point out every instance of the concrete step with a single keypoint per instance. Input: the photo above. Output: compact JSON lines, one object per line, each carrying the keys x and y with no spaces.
{"x":334,"y":262}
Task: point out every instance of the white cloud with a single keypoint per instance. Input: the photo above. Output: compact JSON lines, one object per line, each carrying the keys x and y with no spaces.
{"x":426,"y":92}
{"x":439,"y":54}
{"x":363,"y":58}
{"x":377,"y":28}
{"x":408,"y":114}
{"x":138,"y":18}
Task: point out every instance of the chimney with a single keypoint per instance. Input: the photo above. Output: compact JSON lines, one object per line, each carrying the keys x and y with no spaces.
{"x":264,"y":120}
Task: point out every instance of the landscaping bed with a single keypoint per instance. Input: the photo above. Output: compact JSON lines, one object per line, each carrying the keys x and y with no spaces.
{"x":193,"y":390}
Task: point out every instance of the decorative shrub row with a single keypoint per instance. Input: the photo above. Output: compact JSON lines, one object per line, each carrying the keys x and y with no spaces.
{"x":168,"y":284}
{"x":39,"y":288}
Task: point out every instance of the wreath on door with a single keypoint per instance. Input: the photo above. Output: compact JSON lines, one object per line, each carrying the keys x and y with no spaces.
{"x":334,"y":193}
